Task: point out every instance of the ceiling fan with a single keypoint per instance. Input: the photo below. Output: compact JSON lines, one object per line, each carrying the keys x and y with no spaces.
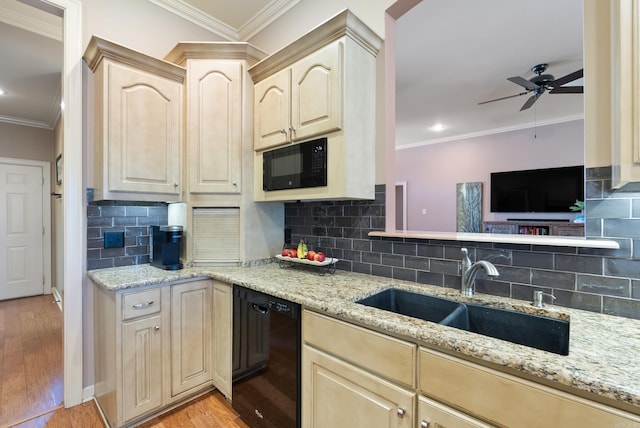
{"x":541,"y":83}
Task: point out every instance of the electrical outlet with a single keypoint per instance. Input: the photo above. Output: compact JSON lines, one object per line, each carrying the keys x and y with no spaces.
{"x":113,"y":239}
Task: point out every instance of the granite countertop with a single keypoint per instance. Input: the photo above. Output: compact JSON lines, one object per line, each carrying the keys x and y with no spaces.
{"x":603,"y":349}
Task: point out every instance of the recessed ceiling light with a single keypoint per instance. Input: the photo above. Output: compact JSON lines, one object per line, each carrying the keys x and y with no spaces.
{"x":2,"y":92}
{"x":438,"y":127}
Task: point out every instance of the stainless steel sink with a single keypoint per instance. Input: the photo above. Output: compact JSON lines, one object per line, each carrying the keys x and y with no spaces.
{"x":548,"y":334}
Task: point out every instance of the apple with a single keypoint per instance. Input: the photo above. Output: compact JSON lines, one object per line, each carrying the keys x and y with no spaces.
{"x":311,"y":254}
{"x":319,"y":257}
{"x":285,"y":252}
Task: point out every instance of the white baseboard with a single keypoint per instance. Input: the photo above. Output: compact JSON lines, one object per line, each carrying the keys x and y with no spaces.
{"x":57,"y":296}
{"x":87,"y":393}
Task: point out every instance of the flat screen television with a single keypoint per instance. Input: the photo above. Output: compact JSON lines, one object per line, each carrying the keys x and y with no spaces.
{"x":548,"y":190}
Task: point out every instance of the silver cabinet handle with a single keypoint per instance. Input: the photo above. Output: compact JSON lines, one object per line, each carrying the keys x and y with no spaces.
{"x":142,"y":305}
{"x":156,"y":328}
{"x":401,"y":412}
{"x":283,"y":131}
{"x":424,"y":424}
{"x":292,"y":129}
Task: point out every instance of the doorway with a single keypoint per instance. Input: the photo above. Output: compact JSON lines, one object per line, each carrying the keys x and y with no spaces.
{"x":25,"y":229}
{"x":401,"y":205}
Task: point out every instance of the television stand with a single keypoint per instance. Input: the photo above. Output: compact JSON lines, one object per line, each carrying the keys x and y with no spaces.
{"x":534,"y":227}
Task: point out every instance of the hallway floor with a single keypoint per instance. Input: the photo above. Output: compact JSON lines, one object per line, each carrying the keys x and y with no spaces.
{"x":31,"y":377}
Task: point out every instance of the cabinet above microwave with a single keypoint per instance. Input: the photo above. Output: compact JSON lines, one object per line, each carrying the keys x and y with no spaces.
{"x":323,"y":85}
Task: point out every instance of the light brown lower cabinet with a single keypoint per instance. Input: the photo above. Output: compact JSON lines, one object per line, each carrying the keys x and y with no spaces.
{"x":507,"y":400}
{"x":356,"y":377}
{"x":158,"y":347}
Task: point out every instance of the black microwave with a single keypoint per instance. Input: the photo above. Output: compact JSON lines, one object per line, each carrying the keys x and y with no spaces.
{"x":295,"y":167}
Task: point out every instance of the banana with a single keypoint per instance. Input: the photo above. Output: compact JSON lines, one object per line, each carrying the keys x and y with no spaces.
{"x":302,"y":250}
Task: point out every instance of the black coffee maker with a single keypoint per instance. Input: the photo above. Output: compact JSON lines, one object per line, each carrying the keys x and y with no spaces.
{"x":165,"y":247}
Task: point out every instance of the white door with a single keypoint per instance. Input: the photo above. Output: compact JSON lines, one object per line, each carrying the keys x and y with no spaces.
{"x":21,"y":231}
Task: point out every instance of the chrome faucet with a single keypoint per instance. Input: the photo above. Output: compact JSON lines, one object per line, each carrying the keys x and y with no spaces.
{"x":469,"y":272}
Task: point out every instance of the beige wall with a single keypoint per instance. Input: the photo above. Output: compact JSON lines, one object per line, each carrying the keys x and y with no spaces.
{"x":25,"y":142}
{"x":139,"y":25}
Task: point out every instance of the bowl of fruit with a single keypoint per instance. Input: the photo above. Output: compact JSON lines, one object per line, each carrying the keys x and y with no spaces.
{"x":303,"y":255}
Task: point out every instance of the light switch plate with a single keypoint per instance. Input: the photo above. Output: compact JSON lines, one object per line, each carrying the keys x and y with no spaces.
{"x":113,"y":239}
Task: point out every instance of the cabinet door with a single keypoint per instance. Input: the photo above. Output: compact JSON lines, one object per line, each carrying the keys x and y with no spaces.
{"x":272,"y":111}
{"x":222,"y":336}
{"x":191,"y":335}
{"x":214,"y":132}
{"x":144,"y":125}
{"x":336,"y":394}
{"x":432,"y":414}
{"x":316,"y":92}
{"x":141,"y":366}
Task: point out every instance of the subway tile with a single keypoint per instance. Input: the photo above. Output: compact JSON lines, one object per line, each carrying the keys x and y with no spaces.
{"x":551,"y":279}
{"x":124,"y":261}
{"x":576,"y":300}
{"x":99,"y":221}
{"x":112,"y":252}
{"x":112,"y":211}
{"x":635,"y":289}
{"x":621,"y":307}
{"x":392,"y":260}
{"x":344,"y":243}
{"x":583,"y":264}
{"x":427,"y":250}
{"x":525,"y":292}
{"x":125,"y":221}
{"x":319,"y":231}
{"x":354,"y":256}
{"x":593,"y":190}
{"x":514,"y":274}
{"x":136,"y":251}
{"x":621,"y":228}
{"x":444,"y":266}
{"x":404,"y":274}
{"x":361,"y":244}
{"x":534,"y":260}
{"x":419,"y":263}
{"x":373,"y":258}
{"x":380,"y":246}
{"x":99,"y":264}
{"x":136,"y":211}
{"x":380,"y":270}
{"x":620,"y":287}
{"x":495,"y":288}
{"x":494,"y":255}
{"x":609,"y":208}
{"x":404,"y":248}
{"x":431,"y":278}
{"x":621,"y":267}
{"x":361,"y":268}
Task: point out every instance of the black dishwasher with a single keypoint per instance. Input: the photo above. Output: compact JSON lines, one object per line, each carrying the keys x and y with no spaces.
{"x":266,"y":359}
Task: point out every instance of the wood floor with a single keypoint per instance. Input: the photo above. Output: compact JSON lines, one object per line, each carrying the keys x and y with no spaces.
{"x":31,"y":377}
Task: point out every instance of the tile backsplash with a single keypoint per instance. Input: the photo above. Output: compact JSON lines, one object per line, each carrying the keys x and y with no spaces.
{"x":597,"y":280}
{"x":131,"y":218}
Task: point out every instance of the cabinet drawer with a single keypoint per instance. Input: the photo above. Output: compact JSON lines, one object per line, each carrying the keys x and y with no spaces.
{"x":389,"y":357}
{"x":507,"y":400}
{"x":140,"y":304}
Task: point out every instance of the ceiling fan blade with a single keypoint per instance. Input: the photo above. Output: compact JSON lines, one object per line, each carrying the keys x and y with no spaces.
{"x":523,"y":82}
{"x":578,"y":74}
{"x":530,"y":101}
{"x":504,"y":98}
{"x":568,"y":90}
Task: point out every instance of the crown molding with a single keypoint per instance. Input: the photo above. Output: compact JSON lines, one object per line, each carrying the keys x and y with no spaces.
{"x":492,"y":131}
{"x":262,"y":19}
{"x":29,"y":23}
{"x":196,"y":16}
{"x":25,"y":122}
{"x":265,"y":17}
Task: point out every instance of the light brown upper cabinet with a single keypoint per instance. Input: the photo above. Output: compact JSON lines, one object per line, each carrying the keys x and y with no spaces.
{"x":625,"y":73}
{"x":138,"y":124}
{"x":216,"y":96}
{"x":301,"y":101}
{"x":321,"y":85}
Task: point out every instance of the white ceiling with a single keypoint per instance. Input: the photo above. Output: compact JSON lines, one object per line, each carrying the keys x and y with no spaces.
{"x":451,"y":54}
{"x":31,"y":64}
